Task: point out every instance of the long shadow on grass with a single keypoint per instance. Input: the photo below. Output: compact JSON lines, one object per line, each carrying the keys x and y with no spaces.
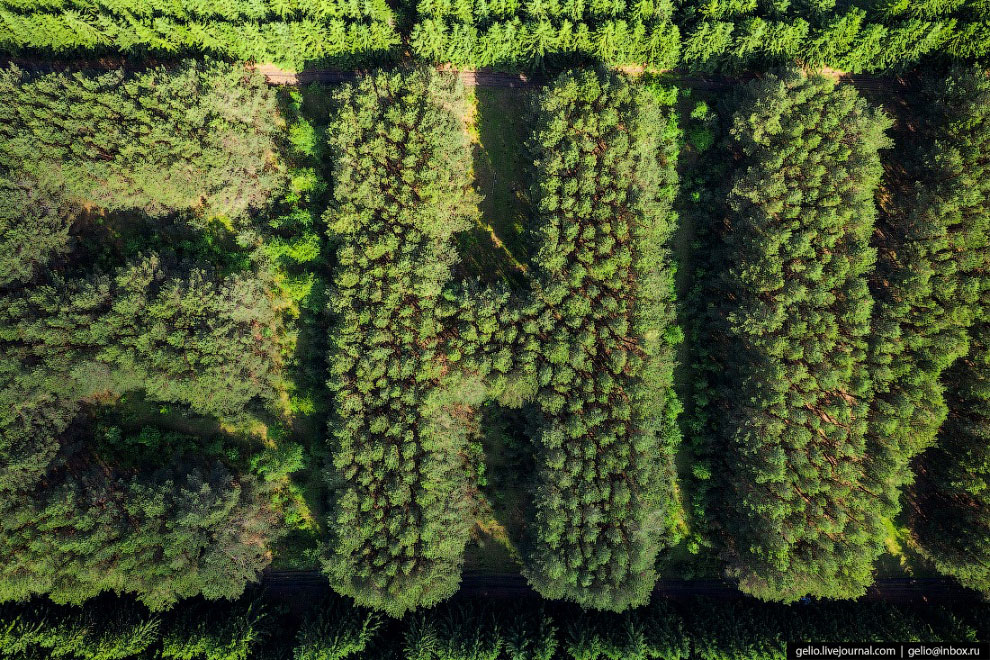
{"x":496,"y":250}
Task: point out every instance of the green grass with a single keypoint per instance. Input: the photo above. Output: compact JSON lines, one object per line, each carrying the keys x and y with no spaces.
{"x":500,"y":510}
{"x":497,"y":249}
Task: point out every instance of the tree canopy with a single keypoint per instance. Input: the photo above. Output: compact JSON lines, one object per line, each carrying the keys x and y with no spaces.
{"x":787,"y":323}
{"x":401,"y":189}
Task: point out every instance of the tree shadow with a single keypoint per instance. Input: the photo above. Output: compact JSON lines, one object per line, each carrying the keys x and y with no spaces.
{"x":103,"y":240}
{"x":497,"y":249}
{"x":505,"y":490}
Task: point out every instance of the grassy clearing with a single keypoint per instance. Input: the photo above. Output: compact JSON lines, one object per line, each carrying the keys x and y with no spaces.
{"x":504,"y":492}
{"x":497,"y":250}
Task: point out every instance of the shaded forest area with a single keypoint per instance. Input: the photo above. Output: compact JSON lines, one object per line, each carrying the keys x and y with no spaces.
{"x":467,"y":630}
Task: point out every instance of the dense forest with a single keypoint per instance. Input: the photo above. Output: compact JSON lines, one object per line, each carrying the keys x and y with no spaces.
{"x":615,"y":326}
{"x":160,"y":233}
{"x":786,"y":324}
{"x":399,"y":429}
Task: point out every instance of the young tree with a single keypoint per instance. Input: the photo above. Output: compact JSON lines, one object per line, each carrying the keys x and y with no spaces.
{"x":209,"y":632}
{"x":601,"y":335}
{"x":290,"y":34}
{"x":337,"y":632}
{"x":105,"y":630}
{"x":533,"y":34}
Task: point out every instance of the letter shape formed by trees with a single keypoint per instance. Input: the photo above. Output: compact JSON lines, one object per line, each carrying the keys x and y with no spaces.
{"x":401,"y":188}
{"x":933,"y":245}
{"x":951,"y":502}
{"x":602,"y":319}
{"x":795,"y":312}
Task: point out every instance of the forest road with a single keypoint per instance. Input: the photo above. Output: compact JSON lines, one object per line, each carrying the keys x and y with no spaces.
{"x":312,"y":585}
{"x":490,"y":78}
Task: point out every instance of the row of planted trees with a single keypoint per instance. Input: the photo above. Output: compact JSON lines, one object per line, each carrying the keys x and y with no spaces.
{"x":824,"y":334}
{"x":115,"y":629}
{"x":699,"y":35}
{"x":821,"y":331}
{"x":413,"y":356}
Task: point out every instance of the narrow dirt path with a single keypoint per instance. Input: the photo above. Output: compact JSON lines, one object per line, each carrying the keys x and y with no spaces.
{"x":476,"y":584}
{"x":490,"y":78}
{"x":471,"y":78}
